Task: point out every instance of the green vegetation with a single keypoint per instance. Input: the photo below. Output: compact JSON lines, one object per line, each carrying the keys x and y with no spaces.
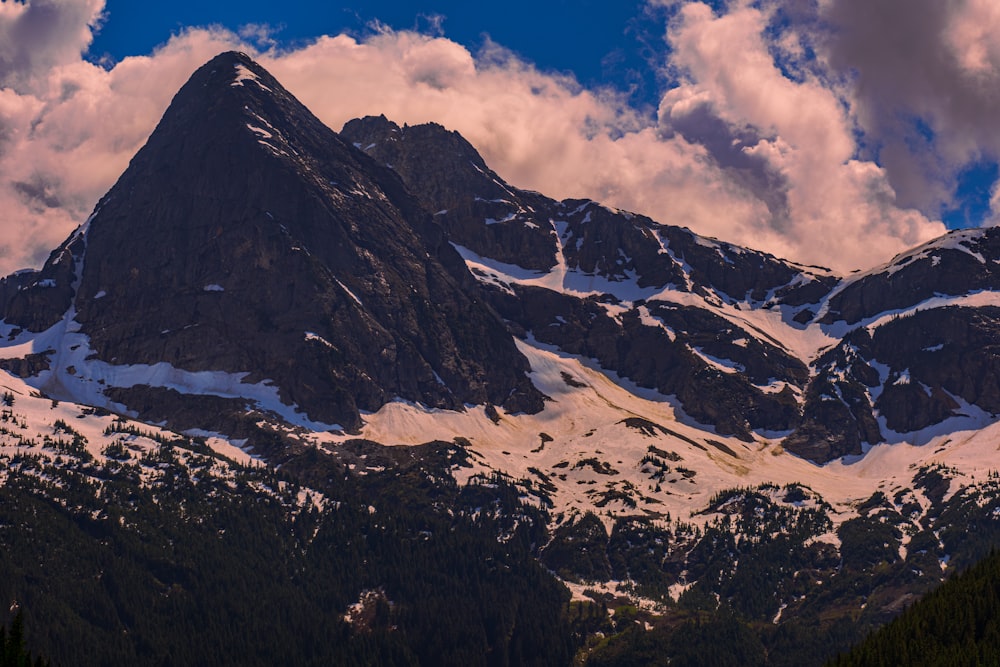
{"x":233,"y":566}
{"x":957,"y":624}
{"x":12,"y":648}
{"x":157,"y":551}
{"x":760,"y":588}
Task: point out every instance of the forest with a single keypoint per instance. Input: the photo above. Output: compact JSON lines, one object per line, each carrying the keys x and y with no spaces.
{"x":173,"y":555}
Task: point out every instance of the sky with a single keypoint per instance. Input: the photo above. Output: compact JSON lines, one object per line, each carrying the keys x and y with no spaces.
{"x":829,"y":132}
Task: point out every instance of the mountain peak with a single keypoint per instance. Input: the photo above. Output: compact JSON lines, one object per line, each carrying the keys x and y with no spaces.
{"x":235,"y":58}
{"x":229,"y":88}
{"x":231,"y":68}
{"x":450,"y":178}
{"x":250,"y":254}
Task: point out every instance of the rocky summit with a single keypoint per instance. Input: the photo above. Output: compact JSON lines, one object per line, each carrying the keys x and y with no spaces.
{"x":246,"y":238}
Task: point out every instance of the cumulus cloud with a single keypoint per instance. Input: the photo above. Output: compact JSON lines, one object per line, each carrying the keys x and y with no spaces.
{"x":37,"y":35}
{"x":538,"y":130}
{"x":924,"y":81}
{"x":785,"y":134}
{"x":751,"y":146}
{"x":69,"y":128}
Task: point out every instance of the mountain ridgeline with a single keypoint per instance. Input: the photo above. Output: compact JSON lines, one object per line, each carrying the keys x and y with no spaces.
{"x":660,"y":305}
{"x":248,"y":238}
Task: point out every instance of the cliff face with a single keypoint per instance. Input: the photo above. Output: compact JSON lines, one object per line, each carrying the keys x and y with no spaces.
{"x":248,"y":238}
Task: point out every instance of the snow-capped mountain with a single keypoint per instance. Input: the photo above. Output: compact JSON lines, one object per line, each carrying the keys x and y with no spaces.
{"x":747,"y":344}
{"x":250,"y":254}
{"x":311,"y":297}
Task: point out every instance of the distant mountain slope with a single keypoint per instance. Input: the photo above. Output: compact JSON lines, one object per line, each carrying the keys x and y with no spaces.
{"x":639,"y":297}
{"x":746,"y":343}
{"x":957,"y":624}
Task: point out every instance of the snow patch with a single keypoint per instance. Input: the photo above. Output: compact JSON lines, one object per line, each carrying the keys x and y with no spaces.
{"x":77,"y":375}
{"x":264,"y":134}
{"x":319,"y":339}
{"x":350,"y":293}
{"x":243,"y":75}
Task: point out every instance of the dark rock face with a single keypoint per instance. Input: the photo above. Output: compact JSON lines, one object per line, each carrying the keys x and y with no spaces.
{"x":837,"y":413}
{"x":476,"y":207}
{"x":495,"y":220}
{"x":36,"y":300}
{"x":744,"y":274}
{"x":960,"y":262}
{"x":935,"y":357}
{"x":616,"y":245}
{"x":912,"y":371}
{"x":670,"y":348}
{"x":248,"y":237}
{"x":481,"y":211}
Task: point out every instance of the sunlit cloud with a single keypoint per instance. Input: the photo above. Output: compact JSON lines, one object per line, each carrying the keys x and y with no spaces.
{"x":37,"y":35}
{"x":924,"y":82}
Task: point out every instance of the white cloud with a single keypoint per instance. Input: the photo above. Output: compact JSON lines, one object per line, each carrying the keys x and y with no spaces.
{"x":538,"y":130}
{"x":783,"y":177}
{"x":67,"y":136}
{"x":835,"y":209}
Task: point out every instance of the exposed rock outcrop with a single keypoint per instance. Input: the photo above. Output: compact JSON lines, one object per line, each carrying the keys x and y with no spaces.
{"x":247,"y":237}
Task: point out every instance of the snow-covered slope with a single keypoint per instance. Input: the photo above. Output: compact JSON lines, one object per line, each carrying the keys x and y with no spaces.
{"x":604,"y":445}
{"x":39,"y":434}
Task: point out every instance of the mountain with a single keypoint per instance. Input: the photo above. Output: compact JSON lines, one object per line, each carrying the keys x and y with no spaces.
{"x":746,"y":343}
{"x":491,"y":390}
{"x":639,"y":297}
{"x":245,"y":235}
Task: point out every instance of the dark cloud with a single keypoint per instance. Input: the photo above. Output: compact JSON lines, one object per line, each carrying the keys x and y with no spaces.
{"x":730,"y":147}
{"x":38,"y":194}
{"x":925,"y":83}
{"x":36,"y":35}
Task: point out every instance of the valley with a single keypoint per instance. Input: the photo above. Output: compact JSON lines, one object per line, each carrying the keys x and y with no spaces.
{"x":623,"y":427}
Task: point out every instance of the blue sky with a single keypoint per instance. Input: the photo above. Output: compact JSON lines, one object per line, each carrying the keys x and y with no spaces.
{"x":836,"y":133}
{"x":602,"y":42}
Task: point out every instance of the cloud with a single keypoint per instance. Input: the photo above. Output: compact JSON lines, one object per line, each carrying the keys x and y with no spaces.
{"x":924,"y":82}
{"x":751,"y":146}
{"x":68,"y":128}
{"x":782,"y":131}
{"x":37,"y":35}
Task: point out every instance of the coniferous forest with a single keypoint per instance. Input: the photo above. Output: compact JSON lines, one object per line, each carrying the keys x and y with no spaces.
{"x":957,"y":624}
{"x":169,"y":554}
{"x":240,"y":570}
